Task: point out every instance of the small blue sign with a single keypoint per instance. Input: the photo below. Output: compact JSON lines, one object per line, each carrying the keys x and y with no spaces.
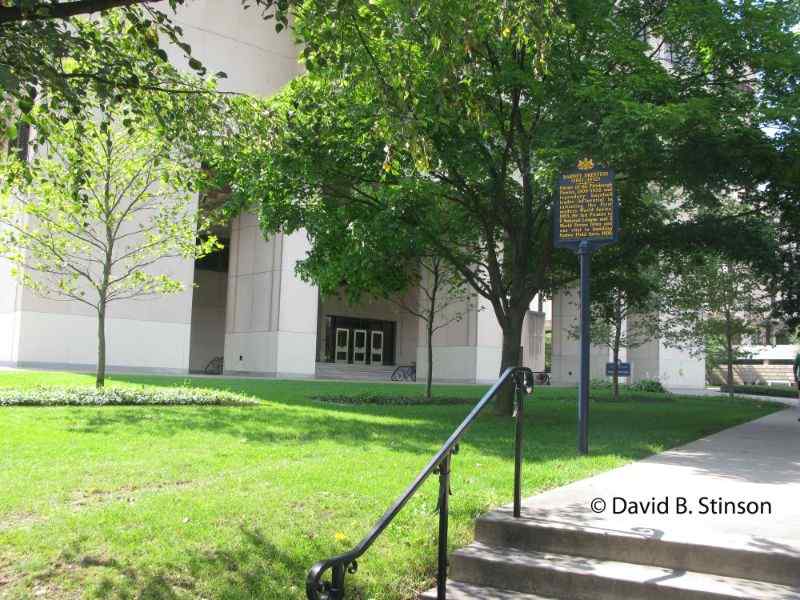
{"x":623,"y":369}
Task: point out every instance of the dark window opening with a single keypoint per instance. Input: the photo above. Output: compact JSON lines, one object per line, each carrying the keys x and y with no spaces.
{"x":22,"y":144}
{"x":216,"y":261}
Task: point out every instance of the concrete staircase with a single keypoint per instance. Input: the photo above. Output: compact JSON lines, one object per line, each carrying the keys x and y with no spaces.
{"x":347,"y":372}
{"x":536,"y":559}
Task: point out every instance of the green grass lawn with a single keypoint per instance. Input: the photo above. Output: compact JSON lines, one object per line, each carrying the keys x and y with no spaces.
{"x":237,"y":502}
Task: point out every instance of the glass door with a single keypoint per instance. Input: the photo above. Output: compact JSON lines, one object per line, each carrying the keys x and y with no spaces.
{"x":342,"y":343}
{"x":376,"y":348}
{"x":359,"y":346}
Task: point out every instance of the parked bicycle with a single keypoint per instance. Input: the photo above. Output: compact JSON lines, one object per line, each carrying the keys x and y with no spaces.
{"x":214,"y":366}
{"x":405,"y":373}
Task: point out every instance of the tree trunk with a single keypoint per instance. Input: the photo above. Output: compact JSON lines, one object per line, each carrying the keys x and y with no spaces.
{"x":512,"y":340}
{"x":615,"y":379}
{"x":436,"y":263}
{"x":101,"y":346}
{"x":730,"y":373}
{"x":615,"y":348}
{"x":429,"y":381}
{"x":729,"y":352}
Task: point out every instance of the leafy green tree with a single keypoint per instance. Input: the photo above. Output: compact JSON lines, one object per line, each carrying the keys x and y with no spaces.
{"x":784,"y":197}
{"x":65,"y":52}
{"x":624,"y":316}
{"x":453,"y":119}
{"x":715,"y":302}
{"x":441,"y":302}
{"x":123,"y":70}
{"x":95,"y":218}
{"x":626,"y":300}
{"x":626,"y":293}
{"x":627,"y":276}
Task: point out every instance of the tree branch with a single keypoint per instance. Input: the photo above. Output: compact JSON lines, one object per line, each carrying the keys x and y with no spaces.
{"x":43,"y":11}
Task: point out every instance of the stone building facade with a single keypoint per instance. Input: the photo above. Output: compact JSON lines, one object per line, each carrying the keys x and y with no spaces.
{"x":248,"y":305}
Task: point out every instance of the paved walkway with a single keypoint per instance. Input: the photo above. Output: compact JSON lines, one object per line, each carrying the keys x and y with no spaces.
{"x":758,"y":462}
{"x":716,"y":392}
{"x":717,"y":519}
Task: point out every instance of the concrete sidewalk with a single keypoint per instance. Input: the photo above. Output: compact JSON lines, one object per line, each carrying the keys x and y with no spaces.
{"x":717,"y":519}
{"x":716,"y":392}
{"x":755,"y":462}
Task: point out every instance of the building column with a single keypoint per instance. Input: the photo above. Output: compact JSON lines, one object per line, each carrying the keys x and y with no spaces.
{"x":297,"y":322}
{"x":488,"y":343}
{"x":566,"y":345}
{"x":271,"y":316}
{"x":533,"y":341}
{"x":10,"y":316}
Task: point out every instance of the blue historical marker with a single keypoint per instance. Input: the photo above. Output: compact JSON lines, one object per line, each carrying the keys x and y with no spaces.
{"x":586,"y":217}
{"x":623,"y":369}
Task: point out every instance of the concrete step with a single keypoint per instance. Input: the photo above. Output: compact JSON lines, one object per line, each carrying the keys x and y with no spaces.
{"x":580,"y":578}
{"x":713,"y":555}
{"x":354,"y":372}
{"x":457,"y":590}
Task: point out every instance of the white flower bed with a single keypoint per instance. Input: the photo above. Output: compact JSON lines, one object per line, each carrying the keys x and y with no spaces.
{"x":145,"y":396}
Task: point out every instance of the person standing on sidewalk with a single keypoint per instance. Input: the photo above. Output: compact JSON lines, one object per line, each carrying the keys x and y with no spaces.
{"x":796,"y":372}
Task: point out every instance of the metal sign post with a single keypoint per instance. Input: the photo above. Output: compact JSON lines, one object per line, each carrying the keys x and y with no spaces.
{"x":585,"y":253}
{"x":586,"y":217}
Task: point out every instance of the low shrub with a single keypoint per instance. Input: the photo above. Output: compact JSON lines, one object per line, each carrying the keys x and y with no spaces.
{"x":601,"y":384}
{"x":777,"y":391}
{"x":382,"y":399}
{"x":648,"y":385}
{"x":144,"y":396}
{"x":645,"y":385}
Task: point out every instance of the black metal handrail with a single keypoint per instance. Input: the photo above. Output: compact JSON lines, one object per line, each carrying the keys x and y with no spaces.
{"x":316,"y":589}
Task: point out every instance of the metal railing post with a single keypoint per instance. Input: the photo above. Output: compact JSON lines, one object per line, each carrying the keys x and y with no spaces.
{"x":337,"y":583}
{"x":517,"y":448}
{"x":444,"y":515}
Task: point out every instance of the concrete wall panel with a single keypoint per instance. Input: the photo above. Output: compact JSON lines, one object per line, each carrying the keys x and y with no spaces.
{"x":451,"y":364}
{"x":9,"y":337}
{"x":566,"y":347}
{"x":251,"y":353}
{"x":71,"y":340}
{"x":680,"y":369}
{"x":296,"y":354}
{"x":225,"y":37}
{"x":487,"y":364}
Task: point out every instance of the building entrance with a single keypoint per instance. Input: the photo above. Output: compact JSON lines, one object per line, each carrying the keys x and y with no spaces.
{"x":354,"y":341}
{"x":342,"y":344}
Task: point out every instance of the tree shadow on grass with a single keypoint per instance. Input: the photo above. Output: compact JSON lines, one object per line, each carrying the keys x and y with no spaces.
{"x":549,"y":430}
{"x":628,"y":431}
{"x":252,"y":567}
